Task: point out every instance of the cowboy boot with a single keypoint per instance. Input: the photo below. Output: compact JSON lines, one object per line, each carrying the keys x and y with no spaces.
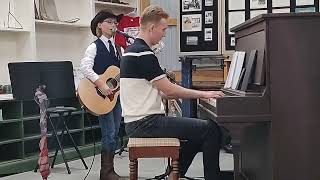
{"x":113,"y":172}
{"x":107,"y":170}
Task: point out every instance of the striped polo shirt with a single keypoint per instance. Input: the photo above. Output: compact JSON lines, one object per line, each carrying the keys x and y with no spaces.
{"x":139,"y":67}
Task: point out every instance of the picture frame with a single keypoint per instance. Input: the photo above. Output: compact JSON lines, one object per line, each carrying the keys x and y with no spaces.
{"x":191,"y":5}
{"x":191,"y":23}
{"x":208,"y":17}
{"x":208,"y":3}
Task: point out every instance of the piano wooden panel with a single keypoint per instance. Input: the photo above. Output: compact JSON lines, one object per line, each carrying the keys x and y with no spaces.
{"x":295,"y":75}
{"x":276,"y":120}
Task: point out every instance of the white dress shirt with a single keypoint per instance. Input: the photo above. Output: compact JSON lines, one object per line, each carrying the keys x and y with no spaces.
{"x":87,"y":62}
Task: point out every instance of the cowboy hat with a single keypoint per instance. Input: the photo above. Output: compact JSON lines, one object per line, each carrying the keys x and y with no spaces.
{"x":100,"y":17}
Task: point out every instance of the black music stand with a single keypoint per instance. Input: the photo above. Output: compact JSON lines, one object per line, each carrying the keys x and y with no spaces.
{"x":58,"y":78}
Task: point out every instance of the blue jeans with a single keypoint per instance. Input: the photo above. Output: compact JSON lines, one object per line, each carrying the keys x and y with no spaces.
{"x":109,"y":124}
{"x":200,"y":135}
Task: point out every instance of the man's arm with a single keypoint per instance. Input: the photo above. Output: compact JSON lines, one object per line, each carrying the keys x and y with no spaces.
{"x":173,"y":90}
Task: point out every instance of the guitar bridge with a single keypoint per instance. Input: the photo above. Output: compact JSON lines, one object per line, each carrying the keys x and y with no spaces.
{"x":104,"y":96}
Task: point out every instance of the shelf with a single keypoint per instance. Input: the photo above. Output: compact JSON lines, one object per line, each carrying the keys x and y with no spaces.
{"x":15,"y":150}
{"x":61,"y":24}
{"x":10,"y":141}
{"x":10,"y":131}
{"x":14,"y":30}
{"x":28,"y":137}
{"x":30,"y":109}
{"x":114,"y":5}
{"x":31,"y":117}
{"x":11,"y":110}
{"x":10,"y":121}
{"x":116,"y":8}
{"x":6,"y":97}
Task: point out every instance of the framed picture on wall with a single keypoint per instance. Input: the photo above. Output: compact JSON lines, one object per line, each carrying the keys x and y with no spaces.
{"x":192,"y":40}
{"x":191,"y":5}
{"x":236,"y":4}
{"x":282,"y":3}
{"x":305,"y":9}
{"x":236,"y":18}
{"x":191,"y":23}
{"x":208,"y":2}
{"x":199,"y":27}
{"x":207,"y":34}
{"x":304,"y":2}
{"x":238,"y":11}
{"x":232,"y":41}
{"x":256,"y":4}
{"x":283,"y":10}
{"x":257,"y":12}
{"x":208,"y":17}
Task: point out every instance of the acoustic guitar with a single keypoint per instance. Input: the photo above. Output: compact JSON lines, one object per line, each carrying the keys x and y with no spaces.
{"x":91,"y":97}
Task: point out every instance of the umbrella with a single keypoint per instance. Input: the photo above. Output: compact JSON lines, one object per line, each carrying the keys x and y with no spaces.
{"x":43,"y":102}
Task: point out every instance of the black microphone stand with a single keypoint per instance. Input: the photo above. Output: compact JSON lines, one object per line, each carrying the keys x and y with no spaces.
{"x":122,"y":130}
{"x":125,"y":35}
{"x":169,"y":167}
{"x":121,"y":136}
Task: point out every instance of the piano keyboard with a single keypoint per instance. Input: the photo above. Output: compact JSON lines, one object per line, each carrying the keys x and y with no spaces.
{"x":213,"y":102}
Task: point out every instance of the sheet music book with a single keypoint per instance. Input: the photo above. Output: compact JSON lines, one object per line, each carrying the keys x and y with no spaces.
{"x":249,"y":69}
{"x":241,"y":78}
{"x":228,"y":83}
{"x":238,"y":69}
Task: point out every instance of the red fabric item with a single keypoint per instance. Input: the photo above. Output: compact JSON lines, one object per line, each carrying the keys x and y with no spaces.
{"x":129,"y":25}
{"x":43,"y":161}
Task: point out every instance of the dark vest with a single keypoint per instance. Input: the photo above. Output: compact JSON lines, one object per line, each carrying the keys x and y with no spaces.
{"x":103,"y":58}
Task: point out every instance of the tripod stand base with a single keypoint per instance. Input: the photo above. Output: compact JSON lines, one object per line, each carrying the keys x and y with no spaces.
{"x":163,"y":176}
{"x":121,"y":150}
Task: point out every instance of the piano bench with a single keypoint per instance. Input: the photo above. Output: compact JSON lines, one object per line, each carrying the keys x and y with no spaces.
{"x":153,"y":148}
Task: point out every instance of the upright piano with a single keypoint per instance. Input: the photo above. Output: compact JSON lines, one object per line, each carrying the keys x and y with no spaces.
{"x":276,"y":117}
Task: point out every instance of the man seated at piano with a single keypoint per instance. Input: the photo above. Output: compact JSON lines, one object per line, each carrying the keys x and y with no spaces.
{"x":144,"y":84}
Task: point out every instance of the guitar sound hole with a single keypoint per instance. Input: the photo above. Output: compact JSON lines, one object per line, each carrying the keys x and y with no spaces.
{"x":112,"y":83}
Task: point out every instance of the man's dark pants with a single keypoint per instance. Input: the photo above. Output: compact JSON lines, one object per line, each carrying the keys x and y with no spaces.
{"x":199,"y":135}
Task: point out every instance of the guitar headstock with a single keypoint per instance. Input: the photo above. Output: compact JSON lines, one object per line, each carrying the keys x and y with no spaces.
{"x":170,"y":75}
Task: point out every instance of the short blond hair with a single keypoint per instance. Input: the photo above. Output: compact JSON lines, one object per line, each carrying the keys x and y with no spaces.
{"x":98,"y":32}
{"x":152,"y":14}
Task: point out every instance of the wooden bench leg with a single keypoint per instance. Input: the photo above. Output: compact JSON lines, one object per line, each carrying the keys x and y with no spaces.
{"x":175,"y":169}
{"x":133,"y":166}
